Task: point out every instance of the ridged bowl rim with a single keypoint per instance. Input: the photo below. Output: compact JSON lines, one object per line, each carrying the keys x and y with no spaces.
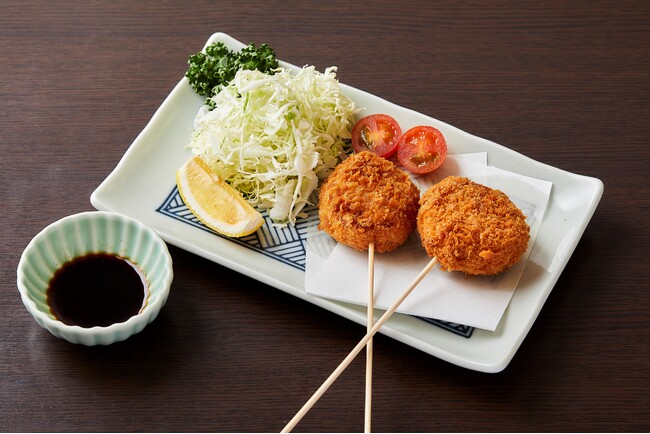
{"x":97,"y":335}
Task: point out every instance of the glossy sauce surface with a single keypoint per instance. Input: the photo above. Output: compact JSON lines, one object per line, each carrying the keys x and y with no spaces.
{"x":98,"y":289}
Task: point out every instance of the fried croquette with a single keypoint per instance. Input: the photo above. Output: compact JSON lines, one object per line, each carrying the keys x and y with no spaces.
{"x":471,"y":228}
{"x":368,"y":199}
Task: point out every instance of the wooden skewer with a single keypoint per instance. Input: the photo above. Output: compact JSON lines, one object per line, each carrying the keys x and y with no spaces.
{"x":356,"y":350}
{"x":369,"y":346}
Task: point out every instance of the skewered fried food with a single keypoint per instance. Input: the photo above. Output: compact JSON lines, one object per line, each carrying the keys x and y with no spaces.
{"x":368,"y":199}
{"x":471,"y":228}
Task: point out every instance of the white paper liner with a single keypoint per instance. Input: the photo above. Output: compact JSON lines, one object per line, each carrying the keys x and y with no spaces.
{"x":338,"y":272}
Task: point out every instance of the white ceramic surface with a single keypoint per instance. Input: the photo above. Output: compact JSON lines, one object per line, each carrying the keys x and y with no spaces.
{"x":145,"y":175}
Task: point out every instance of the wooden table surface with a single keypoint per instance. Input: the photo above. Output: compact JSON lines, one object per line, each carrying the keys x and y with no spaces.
{"x":565,"y":83}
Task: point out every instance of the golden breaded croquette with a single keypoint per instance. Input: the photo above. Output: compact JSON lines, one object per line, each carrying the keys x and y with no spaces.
{"x":368,"y":199}
{"x":471,"y":228}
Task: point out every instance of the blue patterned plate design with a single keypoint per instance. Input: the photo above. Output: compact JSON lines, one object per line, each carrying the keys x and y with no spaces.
{"x":285,"y":244}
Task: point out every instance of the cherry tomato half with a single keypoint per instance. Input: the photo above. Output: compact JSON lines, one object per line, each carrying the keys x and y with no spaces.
{"x":376,"y":133}
{"x":422,"y":149}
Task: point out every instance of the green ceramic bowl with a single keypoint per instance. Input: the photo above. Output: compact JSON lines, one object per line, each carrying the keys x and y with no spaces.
{"x":94,"y":232}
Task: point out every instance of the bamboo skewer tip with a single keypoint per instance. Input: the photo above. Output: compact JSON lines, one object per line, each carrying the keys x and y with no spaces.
{"x":357,"y":349}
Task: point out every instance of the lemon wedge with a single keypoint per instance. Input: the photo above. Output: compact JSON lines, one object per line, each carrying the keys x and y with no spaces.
{"x":215,"y":203}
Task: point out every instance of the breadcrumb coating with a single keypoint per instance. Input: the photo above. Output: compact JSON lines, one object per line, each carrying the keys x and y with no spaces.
{"x":471,"y":228}
{"x":368,"y":199}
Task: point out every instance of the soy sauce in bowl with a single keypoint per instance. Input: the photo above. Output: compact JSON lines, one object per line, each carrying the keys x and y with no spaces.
{"x":97,"y":289}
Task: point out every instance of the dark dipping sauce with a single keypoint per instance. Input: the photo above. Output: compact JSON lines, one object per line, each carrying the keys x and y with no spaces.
{"x":97,"y":289}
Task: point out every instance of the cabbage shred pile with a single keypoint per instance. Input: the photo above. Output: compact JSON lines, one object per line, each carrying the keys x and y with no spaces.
{"x":274,"y":137}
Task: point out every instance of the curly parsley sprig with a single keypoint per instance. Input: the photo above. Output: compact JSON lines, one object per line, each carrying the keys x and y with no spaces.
{"x":213,"y":68}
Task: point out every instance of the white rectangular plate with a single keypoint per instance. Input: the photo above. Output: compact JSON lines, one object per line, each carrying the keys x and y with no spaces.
{"x":142,"y":185}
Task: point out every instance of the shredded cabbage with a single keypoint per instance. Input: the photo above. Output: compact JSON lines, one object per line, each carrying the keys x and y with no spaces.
{"x":274,"y":137}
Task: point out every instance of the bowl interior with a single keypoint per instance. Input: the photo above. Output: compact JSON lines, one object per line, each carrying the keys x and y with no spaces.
{"x":92,"y":232}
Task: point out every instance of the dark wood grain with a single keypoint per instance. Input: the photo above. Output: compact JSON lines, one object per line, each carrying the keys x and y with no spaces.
{"x":565,"y":83}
